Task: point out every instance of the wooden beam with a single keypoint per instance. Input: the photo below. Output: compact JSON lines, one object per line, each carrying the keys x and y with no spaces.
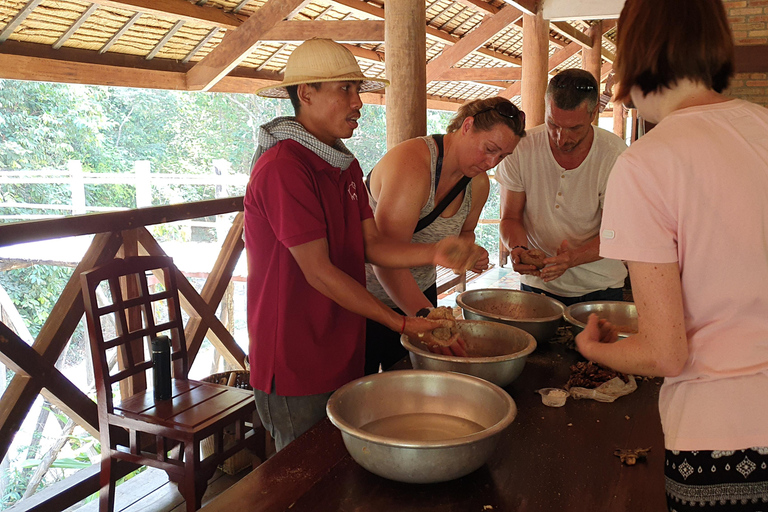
{"x":480,"y":5}
{"x":24,"y":360}
{"x":53,"y":336}
{"x":364,"y":53}
{"x":526,"y":6}
{"x":88,"y":224}
{"x":591,"y":59}
{"x":202,"y":318}
{"x":176,"y":10}
{"x":237,"y":44}
{"x":490,"y":26}
{"x":570,"y":32}
{"x":479,"y":74}
{"x":405,"y":30}
{"x":554,"y":62}
{"x":339,"y":31}
{"x":433,"y":33}
{"x":65,"y":493}
{"x":535,"y":54}
{"x":17,"y":67}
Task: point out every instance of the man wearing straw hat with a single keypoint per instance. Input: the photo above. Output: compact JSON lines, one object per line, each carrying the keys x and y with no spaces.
{"x":308,"y":232}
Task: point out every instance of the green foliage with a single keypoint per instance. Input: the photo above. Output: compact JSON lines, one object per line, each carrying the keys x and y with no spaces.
{"x":34,"y":290}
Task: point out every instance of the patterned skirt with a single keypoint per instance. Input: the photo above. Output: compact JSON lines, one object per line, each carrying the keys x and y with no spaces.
{"x":717,"y":480}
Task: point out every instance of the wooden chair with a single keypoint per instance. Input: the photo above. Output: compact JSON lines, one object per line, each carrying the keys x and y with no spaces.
{"x":165,"y":434}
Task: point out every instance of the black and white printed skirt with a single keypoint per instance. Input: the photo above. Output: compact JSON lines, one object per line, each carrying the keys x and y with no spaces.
{"x":732,"y":481}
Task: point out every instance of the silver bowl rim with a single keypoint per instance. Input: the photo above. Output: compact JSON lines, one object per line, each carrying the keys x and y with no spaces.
{"x":529,"y":348}
{"x":346,"y":428}
{"x":578,"y":323}
{"x":543,"y":319}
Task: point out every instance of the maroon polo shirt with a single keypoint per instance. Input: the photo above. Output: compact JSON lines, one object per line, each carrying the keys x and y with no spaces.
{"x":303,"y":339}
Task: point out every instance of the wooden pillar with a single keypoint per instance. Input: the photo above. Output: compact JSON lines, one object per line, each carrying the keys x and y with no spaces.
{"x":591,"y":58}
{"x":533,"y":86}
{"x":405,"y":38}
{"x":535,"y":67}
{"x":619,"y":122}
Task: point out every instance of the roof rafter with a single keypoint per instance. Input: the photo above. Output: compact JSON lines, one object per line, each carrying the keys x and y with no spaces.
{"x":570,"y":32}
{"x":480,"y":74}
{"x":555,"y":60}
{"x":237,"y":44}
{"x":527,"y":6}
{"x":340,"y":31}
{"x":178,"y":10}
{"x":433,"y":33}
{"x":490,"y":26}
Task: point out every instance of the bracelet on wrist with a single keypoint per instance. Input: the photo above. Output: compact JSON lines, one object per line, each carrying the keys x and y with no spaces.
{"x":519,"y":247}
{"x":402,"y":329}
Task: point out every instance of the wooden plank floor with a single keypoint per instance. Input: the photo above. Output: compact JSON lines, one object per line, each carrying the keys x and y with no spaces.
{"x":150,"y":491}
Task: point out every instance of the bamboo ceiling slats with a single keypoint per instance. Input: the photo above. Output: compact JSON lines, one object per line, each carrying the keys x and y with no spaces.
{"x":180,"y":34}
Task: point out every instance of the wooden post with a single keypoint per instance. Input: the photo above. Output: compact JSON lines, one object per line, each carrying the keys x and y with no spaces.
{"x":535,"y":67}
{"x":591,"y":58}
{"x":533,"y":86}
{"x":619,"y":121}
{"x":76,"y":186}
{"x":143,"y":186}
{"x":405,"y":38}
{"x":222,"y":168}
{"x":634,"y":121}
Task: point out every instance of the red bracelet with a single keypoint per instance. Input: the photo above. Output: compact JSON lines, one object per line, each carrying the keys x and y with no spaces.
{"x":403,"y":329}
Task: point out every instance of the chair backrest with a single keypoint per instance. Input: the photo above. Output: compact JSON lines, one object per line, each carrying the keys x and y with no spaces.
{"x":122,"y":324}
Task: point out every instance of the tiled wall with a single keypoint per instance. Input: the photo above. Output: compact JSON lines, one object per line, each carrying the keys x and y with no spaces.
{"x":749,"y":22}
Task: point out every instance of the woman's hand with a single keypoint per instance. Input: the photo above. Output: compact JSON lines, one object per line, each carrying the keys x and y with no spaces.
{"x":597,"y":331}
{"x":458,"y":253}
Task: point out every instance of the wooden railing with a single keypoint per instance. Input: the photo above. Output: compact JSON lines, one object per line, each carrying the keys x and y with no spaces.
{"x":116,"y":234}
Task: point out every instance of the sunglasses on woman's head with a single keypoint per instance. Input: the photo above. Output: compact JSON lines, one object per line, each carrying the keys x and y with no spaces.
{"x":508,"y":110}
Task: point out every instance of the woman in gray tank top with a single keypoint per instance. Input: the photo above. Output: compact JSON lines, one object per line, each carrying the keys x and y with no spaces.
{"x":411,"y":181}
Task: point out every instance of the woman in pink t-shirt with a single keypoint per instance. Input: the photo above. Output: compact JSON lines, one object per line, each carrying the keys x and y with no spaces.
{"x":687,"y":207}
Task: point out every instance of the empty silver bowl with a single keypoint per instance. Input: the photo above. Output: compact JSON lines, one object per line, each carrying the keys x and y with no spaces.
{"x":497,"y":352}
{"x":420,"y":426}
{"x":622,"y":315}
{"x":534,"y":313}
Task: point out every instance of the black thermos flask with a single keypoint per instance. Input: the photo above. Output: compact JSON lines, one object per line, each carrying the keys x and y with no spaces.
{"x":161,"y":366}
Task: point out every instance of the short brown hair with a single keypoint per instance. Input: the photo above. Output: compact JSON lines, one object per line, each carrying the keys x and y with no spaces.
{"x":571,"y":87}
{"x":660,"y":42}
{"x":486,"y":116}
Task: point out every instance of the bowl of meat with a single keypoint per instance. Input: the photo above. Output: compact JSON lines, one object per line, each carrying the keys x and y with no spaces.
{"x":623,"y":315}
{"x":495,"y":352}
{"x":420,"y":426}
{"x":534,"y":313}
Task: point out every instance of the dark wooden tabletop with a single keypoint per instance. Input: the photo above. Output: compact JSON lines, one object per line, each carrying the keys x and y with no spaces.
{"x":549,"y":459}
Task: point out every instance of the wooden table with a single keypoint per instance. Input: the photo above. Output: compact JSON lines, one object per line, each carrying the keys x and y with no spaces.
{"x":549,"y":459}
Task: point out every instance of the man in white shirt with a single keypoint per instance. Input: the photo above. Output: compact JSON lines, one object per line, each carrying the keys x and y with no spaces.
{"x":552,"y":192}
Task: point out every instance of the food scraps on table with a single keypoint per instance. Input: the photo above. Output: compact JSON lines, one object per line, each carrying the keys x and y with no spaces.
{"x":588,"y":374}
{"x":630,"y":457}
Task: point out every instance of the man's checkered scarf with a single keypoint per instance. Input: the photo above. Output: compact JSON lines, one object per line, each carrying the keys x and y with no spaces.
{"x":283,"y":128}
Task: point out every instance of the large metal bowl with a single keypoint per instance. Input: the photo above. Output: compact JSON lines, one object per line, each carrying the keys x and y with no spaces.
{"x":420,"y":426}
{"x":497,"y":352}
{"x":622,"y":315}
{"x":534,"y":313}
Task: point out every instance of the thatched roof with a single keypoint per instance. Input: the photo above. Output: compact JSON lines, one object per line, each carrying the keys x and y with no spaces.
{"x":239,"y":45}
